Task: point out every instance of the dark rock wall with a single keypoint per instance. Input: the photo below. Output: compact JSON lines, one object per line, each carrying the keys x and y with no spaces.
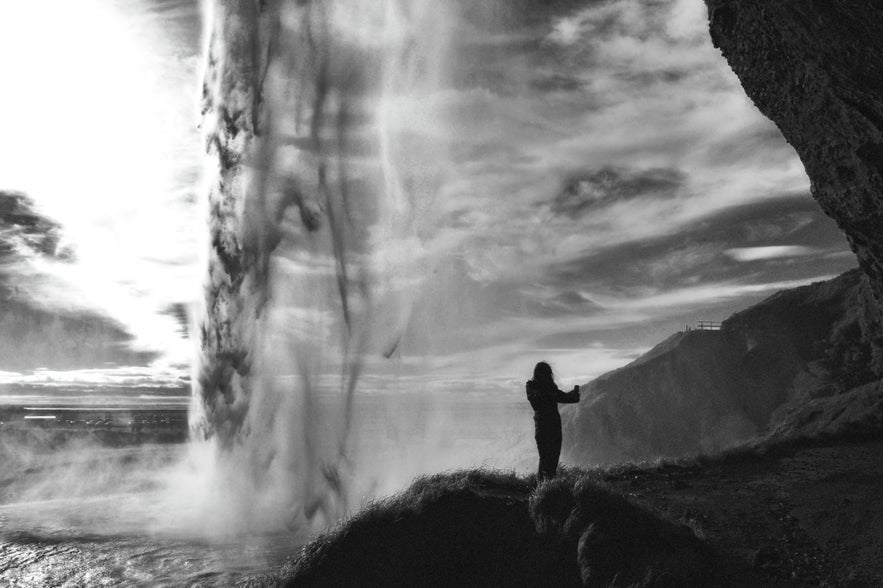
{"x":816,"y":69}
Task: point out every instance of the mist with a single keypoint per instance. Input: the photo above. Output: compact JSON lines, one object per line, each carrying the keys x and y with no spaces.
{"x":322,"y":197}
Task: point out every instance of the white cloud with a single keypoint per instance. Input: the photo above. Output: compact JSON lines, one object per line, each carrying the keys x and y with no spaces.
{"x":770,"y":252}
{"x":655,"y":94}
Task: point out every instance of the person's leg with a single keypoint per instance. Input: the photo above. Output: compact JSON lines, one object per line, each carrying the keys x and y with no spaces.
{"x":549,"y":449}
{"x":541,"y":471}
{"x":554,"y":453}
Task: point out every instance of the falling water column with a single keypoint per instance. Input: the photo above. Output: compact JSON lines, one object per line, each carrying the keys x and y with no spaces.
{"x":231,"y":104}
{"x":276,"y":122}
{"x":313,"y":168}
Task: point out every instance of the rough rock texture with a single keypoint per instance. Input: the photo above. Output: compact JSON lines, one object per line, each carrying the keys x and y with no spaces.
{"x":816,"y":69}
{"x":700,"y":391}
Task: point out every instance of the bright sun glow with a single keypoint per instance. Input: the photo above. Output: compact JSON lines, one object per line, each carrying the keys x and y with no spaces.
{"x":95,"y":133}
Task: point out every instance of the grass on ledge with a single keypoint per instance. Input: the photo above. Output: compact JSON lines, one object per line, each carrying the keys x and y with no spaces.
{"x":494,"y":528}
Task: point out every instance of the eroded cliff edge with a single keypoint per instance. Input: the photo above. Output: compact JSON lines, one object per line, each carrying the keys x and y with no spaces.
{"x":815,"y":68}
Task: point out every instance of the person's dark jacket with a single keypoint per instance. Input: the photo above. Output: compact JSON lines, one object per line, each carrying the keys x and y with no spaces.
{"x":544,"y":398}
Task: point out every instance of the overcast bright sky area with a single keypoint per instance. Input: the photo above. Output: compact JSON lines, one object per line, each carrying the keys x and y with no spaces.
{"x":612,"y":183}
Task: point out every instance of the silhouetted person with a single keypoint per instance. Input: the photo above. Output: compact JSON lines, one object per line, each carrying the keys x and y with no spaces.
{"x":544,"y":396}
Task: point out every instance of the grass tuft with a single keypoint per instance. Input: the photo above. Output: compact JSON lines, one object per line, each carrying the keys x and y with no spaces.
{"x":491,"y":528}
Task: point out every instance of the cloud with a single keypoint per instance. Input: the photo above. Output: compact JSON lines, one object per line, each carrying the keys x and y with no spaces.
{"x":647,"y":135}
{"x":583,"y":194}
{"x":24,"y":232}
{"x":698,"y":252}
{"x":772,"y":252}
{"x":33,"y":337}
{"x":542,"y":300}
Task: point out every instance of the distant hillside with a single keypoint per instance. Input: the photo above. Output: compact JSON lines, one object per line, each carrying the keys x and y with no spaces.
{"x":700,"y":391}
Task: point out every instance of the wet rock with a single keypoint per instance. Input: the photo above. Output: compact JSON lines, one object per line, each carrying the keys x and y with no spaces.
{"x":769,"y":558}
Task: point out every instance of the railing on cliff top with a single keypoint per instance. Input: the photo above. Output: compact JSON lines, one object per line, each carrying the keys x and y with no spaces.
{"x":704,"y":326}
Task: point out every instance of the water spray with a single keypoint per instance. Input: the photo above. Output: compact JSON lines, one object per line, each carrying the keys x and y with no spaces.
{"x":314,"y":184}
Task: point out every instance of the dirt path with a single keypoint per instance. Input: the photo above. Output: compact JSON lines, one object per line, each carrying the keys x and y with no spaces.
{"x":814,"y":516}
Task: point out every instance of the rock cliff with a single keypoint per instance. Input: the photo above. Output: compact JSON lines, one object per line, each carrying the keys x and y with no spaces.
{"x":816,"y":69}
{"x":700,"y":391}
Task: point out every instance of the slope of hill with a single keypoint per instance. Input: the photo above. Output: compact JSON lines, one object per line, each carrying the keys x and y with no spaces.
{"x":803,"y":516}
{"x":485,"y":528}
{"x":701,"y":391}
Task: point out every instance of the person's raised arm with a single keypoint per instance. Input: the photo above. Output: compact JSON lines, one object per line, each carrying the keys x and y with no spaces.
{"x":567,"y":397}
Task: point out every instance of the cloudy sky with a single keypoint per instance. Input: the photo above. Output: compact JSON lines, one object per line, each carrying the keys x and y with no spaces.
{"x":610,"y":183}
{"x":101,"y":141}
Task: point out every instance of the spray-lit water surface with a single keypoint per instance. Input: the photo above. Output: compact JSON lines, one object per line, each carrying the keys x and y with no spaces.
{"x":89,"y":515}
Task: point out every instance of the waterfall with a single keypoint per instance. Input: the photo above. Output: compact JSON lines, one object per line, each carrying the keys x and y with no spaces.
{"x":320,"y":207}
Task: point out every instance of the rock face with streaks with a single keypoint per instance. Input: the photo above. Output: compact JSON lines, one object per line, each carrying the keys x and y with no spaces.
{"x":816,"y":69}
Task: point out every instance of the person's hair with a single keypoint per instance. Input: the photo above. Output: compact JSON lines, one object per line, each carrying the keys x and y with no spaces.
{"x":542,"y":372}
